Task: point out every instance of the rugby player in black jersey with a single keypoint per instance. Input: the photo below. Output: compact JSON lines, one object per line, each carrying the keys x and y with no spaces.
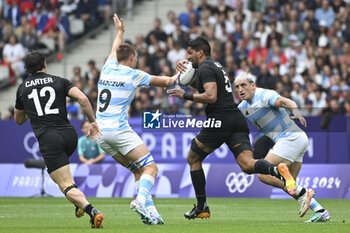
{"x":42,"y":99}
{"x":214,"y":90}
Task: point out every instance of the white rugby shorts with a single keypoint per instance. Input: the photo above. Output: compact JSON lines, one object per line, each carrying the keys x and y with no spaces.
{"x":122,"y":141}
{"x":292,"y":147}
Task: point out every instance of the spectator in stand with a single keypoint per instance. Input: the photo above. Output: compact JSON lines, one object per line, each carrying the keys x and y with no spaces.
{"x":185,"y":16}
{"x":347,"y":108}
{"x":14,"y":13}
{"x":92,"y":69}
{"x":38,"y":19}
{"x":325,"y":13}
{"x":179,"y":34}
{"x":223,"y":28}
{"x":175,"y":54}
{"x":29,"y":39}
{"x":19,"y":30}
{"x":264,"y":78}
{"x":104,"y":6}
{"x":318,"y":99}
{"x":262,"y":34}
{"x":87,"y":11}
{"x":13,"y":55}
{"x":308,"y":110}
{"x":57,"y":28}
{"x":170,"y":26}
{"x":297,"y":93}
{"x":274,"y":35}
{"x":89,"y":152}
{"x":241,"y":52}
{"x":157,"y":32}
{"x":258,"y":54}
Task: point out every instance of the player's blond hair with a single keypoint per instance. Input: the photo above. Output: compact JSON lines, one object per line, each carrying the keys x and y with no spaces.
{"x":245,"y":75}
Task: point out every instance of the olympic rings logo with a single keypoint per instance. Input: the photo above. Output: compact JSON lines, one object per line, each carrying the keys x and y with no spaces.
{"x":34,"y":148}
{"x":238,"y":182}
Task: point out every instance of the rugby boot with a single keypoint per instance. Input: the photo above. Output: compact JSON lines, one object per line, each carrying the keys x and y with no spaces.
{"x":79,"y":212}
{"x":305,"y":201}
{"x":287,"y":178}
{"x":197,"y":213}
{"x":323,"y":216}
{"x":96,"y":219}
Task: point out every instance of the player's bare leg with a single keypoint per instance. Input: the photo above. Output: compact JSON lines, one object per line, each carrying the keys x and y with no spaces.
{"x":303,"y":195}
{"x":127,"y":163}
{"x":197,"y":153}
{"x":63,"y":178}
{"x":143,"y":159}
{"x":249,"y":165}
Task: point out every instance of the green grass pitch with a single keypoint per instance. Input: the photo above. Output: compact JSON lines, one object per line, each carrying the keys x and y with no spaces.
{"x":228,"y":215}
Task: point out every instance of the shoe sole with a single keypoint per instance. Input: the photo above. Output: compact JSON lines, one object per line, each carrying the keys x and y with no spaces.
{"x":290,"y":182}
{"x":98,"y":219}
{"x":79,"y":213}
{"x":310,"y":195}
{"x":201,"y":215}
{"x":144,"y":218}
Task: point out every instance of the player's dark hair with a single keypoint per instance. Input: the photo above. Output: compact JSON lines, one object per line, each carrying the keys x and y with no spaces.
{"x":34,"y":62}
{"x":200,"y":43}
{"x":125,"y":51}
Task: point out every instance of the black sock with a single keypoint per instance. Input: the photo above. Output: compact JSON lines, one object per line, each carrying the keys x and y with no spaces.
{"x":198,"y":181}
{"x":263,"y":167}
{"x":302,"y":192}
{"x":88,"y":209}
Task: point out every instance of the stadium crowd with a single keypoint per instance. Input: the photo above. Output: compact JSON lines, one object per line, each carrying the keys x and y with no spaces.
{"x":301,"y":49}
{"x":27,"y":25}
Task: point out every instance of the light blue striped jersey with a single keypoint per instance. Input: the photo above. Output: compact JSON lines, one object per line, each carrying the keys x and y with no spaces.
{"x":272,"y":121}
{"x":116,"y":89}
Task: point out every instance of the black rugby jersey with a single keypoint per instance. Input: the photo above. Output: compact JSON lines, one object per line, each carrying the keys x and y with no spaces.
{"x":212,"y":71}
{"x":43,"y":98}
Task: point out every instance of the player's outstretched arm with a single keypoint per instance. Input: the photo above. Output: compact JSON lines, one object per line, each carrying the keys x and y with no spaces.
{"x":282,"y":102}
{"x":209,"y":96}
{"x":84,"y":102}
{"x":119,"y":25}
{"x":20,"y":116}
{"x":162,"y":81}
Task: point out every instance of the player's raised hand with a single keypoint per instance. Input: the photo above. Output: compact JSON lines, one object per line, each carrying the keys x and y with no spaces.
{"x":180,"y":66}
{"x":94,"y":132}
{"x":178,"y":92}
{"x":119,"y":23}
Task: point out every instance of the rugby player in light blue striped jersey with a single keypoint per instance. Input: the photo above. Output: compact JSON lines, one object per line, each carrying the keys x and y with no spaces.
{"x":116,"y":89}
{"x":266,"y":110}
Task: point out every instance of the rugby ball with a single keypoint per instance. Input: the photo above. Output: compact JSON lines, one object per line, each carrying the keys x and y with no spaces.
{"x":186,"y":78}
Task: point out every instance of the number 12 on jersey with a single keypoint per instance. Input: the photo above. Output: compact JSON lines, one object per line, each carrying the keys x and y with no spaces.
{"x":48,"y":110}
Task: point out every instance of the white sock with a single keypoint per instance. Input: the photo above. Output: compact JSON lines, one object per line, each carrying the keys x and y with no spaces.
{"x":146,"y":184}
{"x":315,"y":206}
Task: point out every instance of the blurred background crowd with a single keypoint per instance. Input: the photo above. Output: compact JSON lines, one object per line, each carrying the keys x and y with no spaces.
{"x":301,"y":49}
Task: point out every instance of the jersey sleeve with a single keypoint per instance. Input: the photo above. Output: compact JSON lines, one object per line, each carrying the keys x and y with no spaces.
{"x":67,"y":85}
{"x":206,"y":74}
{"x":269,"y":97}
{"x":19,"y":103}
{"x":141,"y":78}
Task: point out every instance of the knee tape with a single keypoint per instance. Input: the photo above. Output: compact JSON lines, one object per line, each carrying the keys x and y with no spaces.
{"x":144,"y":161}
{"x":195,"y":148}
{"x":69,"y":188}
{"x":132,"y":166}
